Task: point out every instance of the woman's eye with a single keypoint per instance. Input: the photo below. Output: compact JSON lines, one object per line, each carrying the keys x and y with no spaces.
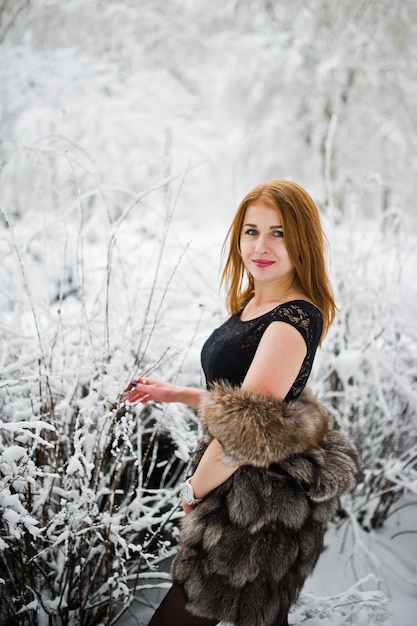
{"x":253,"y":232}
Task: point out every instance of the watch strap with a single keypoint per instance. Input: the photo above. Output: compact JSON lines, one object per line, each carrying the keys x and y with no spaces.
{"x":187,"y":492}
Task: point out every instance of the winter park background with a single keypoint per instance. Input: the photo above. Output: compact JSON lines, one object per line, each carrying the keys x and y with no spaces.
{"x":130,"y":130}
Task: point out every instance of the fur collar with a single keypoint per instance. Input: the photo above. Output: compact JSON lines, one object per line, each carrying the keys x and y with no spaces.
{"x":256,"y":429}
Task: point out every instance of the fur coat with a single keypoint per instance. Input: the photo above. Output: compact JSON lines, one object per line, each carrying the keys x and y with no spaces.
{"x":247,"y":547}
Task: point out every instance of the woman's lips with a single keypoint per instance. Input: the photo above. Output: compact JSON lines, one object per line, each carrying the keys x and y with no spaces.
{"x":262,"y":263}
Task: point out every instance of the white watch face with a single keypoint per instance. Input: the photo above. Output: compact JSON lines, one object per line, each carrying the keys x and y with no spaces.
{"x":187,"y":493}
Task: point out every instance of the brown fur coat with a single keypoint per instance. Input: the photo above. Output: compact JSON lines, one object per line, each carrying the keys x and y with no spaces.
{"x":247,"y":548}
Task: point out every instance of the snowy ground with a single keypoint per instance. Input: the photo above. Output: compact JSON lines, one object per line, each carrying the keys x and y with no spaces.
{"x":385,"y":561}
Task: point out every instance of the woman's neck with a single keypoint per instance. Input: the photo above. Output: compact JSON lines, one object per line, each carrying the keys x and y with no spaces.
{"x":269,"y":293}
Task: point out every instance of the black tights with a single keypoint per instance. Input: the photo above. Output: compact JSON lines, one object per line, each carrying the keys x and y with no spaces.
{"x":172,"y":612}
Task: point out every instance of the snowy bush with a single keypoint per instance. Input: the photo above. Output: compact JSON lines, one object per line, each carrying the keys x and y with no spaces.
{"x":360,"y":605}
{"x":88,"y":487}
{"x":84,"y":513}
{"x":368,"y":370}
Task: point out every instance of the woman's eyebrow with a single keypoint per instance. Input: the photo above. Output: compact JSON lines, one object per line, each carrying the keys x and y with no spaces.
{"x":271,"y":227}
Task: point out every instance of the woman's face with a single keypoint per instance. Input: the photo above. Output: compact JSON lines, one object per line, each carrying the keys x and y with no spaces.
{"x":262,"y":244}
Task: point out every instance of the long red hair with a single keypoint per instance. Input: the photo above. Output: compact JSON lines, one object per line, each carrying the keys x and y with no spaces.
{"x":304,"y":239}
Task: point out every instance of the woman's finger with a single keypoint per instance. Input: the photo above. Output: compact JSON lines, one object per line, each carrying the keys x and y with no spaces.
{"x":135,"y":392}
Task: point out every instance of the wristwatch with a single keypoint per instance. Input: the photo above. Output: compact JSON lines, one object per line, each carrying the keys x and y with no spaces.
{"x":187,"y":492}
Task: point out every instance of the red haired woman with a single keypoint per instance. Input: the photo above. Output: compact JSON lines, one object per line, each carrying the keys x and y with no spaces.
{"x":268,"y":470}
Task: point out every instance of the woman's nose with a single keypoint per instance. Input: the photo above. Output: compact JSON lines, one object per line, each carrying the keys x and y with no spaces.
{"x":262,"y":244}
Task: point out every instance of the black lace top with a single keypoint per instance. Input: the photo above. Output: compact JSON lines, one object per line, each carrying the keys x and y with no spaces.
{"x":230,"y":349}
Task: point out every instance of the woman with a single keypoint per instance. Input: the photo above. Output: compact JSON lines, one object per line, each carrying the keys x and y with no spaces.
{"x":268,"y":470}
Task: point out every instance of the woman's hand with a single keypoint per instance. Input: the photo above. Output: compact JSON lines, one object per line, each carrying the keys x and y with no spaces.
{"x":145,"y":389}
{"x":150,"y":389}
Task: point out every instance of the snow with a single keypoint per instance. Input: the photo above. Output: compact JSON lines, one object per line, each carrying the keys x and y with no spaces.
{"x":130,"y":132}
{"x":380,"y":566}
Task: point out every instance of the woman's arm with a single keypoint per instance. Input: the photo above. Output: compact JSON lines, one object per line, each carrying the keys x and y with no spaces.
{"x":276,"y":364}
{"x":150,"y":389}
{"x":277,"y":361}
{"x":211,"y":472}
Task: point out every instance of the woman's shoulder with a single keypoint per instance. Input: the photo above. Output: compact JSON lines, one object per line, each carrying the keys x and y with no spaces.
{"x":302,"y":314}
{"x":298,"y":308}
